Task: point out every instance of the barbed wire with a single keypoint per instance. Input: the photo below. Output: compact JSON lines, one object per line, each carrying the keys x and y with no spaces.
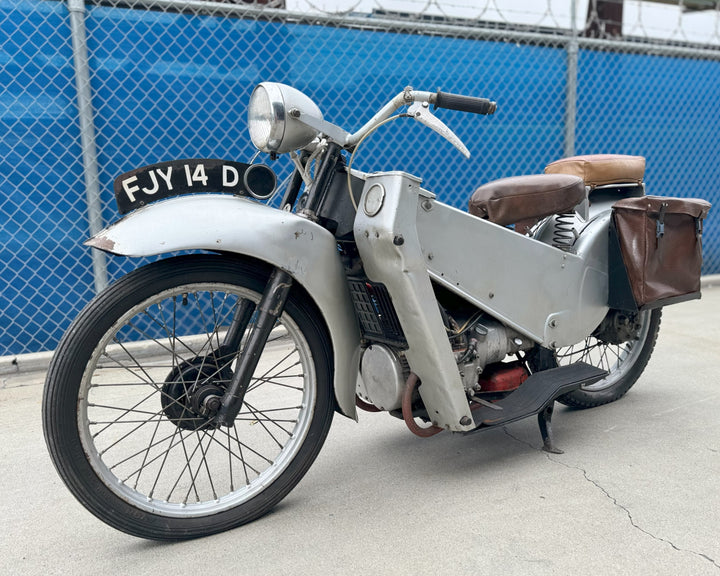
{"x":691,"y":22}
{"x":682,"y":21}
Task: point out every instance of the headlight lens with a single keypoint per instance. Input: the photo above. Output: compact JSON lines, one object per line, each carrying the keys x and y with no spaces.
{"x":271,"y":128}
{"x":265,"y":121}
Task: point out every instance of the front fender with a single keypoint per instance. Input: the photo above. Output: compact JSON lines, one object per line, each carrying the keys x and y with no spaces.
{"x":217,"y":222}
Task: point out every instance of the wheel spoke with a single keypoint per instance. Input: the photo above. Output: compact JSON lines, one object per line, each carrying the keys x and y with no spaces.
{"x":264,"y":418}
{"x":107,"y":355}
{"x":264,"y":378}
{"x":230,"y":463}
{"x":616,"y":359}
{"x":261,"y":381}
{"x":239,"y":457}
{"x":203,"y":464}
{"x":124,"y":412}
{"x":142,"y":450}
{"x":242,"y":458}
{"x":187,"y":467}
{"x":162,"y":464}
{"x":146,"y":454}
{"x":174,"y":401}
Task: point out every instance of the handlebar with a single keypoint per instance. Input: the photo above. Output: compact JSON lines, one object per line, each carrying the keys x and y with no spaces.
{"x":464,"y":103}
{"x":439,"y":99}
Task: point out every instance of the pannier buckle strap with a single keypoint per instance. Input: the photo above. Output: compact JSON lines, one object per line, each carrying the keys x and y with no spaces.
{"x":698,"y":227}
{"x":660,"y":225}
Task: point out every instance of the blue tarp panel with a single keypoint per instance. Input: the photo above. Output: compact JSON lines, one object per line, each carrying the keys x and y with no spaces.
{"x":168,"y":85}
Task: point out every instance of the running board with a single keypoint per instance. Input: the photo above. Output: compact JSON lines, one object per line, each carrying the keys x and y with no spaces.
{"x":536,"y":396}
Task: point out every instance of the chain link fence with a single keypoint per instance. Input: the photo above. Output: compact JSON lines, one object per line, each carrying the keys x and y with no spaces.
{"x":89,"y":90}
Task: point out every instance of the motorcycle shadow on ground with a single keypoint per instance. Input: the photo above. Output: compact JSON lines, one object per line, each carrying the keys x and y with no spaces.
{"x":366,"y":469}
{"x":382,"y":450}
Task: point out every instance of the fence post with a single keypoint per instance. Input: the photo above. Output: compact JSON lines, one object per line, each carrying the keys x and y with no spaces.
{"x":571,"y":84}
{"x":87,"y":135}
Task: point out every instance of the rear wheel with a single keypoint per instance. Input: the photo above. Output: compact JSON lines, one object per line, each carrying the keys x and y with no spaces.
{"x":624,"y":361}
{"x":127,"y":404}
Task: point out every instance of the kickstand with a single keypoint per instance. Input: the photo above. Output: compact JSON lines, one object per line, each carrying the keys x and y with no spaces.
{"x":544,"y":420}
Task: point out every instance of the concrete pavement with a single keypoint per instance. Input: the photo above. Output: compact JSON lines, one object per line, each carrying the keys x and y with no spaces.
{"x":637,"y":490}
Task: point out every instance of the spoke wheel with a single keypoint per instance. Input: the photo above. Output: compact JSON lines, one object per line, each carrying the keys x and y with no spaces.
{"x":624,"y":362}
{"x":134,"y":385}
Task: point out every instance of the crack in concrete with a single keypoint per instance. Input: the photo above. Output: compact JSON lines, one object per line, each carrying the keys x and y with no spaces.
{"x":629,"y":514}
{"x":8,"y":384}
{"x":615,"y":502}
{"x":518,"y":439}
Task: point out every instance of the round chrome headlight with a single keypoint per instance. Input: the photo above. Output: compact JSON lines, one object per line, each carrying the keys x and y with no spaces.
{"x":272,"y":128}
{"x":266,"y":117}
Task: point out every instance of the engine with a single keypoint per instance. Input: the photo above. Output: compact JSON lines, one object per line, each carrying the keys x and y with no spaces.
{"x":480,"y":345}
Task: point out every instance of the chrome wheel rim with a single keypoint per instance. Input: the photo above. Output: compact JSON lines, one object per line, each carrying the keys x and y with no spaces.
{"x":149,"y":461}
{"x":616,"y":359}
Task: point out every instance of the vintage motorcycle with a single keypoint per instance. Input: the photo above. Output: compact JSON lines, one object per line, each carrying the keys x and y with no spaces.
{"x":193,"y":394}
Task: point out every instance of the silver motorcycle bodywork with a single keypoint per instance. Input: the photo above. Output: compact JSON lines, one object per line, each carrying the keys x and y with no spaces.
{"x":552,"y":297}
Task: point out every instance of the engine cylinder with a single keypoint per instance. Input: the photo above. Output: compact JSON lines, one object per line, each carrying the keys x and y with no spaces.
{"x":490,"y":343}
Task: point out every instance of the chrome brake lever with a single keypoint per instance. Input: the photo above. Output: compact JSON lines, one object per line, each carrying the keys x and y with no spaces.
{"x":420,"y":111}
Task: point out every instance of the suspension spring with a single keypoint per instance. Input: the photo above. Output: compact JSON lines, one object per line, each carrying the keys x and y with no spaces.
{"x":564,"y":231}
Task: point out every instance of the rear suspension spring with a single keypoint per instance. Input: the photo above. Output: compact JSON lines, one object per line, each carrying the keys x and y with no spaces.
{"x":564,"y":231}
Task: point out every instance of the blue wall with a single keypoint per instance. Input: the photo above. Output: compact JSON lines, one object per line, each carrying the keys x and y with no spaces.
{"x":171,"y":85}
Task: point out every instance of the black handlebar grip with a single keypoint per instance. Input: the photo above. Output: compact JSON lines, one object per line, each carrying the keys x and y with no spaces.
{"x":464,"y":103}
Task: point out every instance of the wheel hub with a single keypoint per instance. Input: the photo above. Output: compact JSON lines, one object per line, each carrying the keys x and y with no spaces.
{"x":193,"y":391}
{"x":618,"y":327}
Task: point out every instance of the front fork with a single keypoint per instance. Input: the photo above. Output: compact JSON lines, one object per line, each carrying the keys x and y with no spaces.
{"x":273,"y":299}
{"x":269,"y":310}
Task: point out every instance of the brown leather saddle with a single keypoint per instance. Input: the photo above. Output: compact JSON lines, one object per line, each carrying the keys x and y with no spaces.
{"x":566,"y":183}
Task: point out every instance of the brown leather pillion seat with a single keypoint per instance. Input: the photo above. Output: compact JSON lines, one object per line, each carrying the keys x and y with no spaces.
{"x":525,"y":200}
{"x":601,"y":169}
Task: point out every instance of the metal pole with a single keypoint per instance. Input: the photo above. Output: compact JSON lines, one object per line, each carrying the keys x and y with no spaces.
{"x":87,"y":135}
{"x":571,"y":85}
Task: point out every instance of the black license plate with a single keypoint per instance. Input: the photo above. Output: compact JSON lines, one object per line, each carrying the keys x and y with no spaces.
{"x":148,"y":184}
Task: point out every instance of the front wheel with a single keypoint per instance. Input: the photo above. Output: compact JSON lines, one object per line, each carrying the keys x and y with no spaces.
{"x":125,"y":407}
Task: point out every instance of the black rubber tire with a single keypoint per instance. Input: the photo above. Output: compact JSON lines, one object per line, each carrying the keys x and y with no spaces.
{"x":64,"y":421}
{"x":613,"y":387}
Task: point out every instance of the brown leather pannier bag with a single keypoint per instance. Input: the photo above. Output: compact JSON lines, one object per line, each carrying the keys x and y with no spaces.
{"x":659,"y":243}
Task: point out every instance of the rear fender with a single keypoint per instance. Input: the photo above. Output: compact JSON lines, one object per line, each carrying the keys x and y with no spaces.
{"x":226,"y":223}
